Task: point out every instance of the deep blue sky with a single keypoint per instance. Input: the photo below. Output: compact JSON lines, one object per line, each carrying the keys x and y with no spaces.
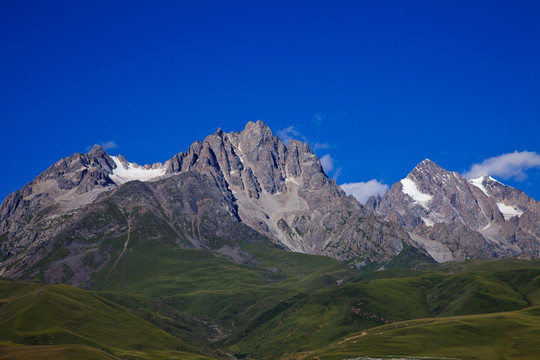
{"x":383,"y":84}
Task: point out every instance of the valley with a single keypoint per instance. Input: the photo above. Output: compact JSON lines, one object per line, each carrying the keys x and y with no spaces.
{"x":313,"y":308}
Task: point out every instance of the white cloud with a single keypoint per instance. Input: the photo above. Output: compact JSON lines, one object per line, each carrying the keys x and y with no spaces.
{"x":327,"y":163}
{"x":506,"y":166}
{"x":363,"y":190}
{"x":108,"y":145}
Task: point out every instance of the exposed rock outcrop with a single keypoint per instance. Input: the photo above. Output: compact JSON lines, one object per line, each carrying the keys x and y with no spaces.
{"x":454,"y":218}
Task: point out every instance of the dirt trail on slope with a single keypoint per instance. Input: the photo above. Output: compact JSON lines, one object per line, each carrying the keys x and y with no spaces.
{"x":126,"y":243}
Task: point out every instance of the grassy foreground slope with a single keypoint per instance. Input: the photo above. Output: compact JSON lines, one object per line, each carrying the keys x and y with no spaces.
{"x":507,"y":335}
{"x":51,"y":352}
{"x":160,"y":298}
{"x":390,"y":297}
{"x":37,"y":314}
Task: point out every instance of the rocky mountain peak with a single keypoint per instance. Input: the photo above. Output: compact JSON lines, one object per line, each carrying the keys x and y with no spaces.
{"x":257,"y":130}
{"x":426,"y":163}
{"x":427,"y":169}
{"x":510,"y":201}
{"x":283,"y":193}
{"x":454,"y":218}
{"x":96,"y":151}
{"x":97,"y":157}
{"x":429,"y":180}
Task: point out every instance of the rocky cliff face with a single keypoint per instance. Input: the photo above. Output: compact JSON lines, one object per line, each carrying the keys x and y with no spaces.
{"x":231,"y":186}
{"x":282,"y":192}
{"x":454,"y":219}
{"x":31,"y":217}
{"x":71,"y":182}
{"x":26,"y":216}
{"x":79,"y":216}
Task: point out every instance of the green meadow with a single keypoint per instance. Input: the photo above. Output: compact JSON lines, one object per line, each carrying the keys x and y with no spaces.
{"x":165,"y":302}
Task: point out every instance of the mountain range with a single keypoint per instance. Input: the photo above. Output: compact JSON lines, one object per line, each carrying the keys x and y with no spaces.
{"x":249,"y":184}
{"x":243,"y":248}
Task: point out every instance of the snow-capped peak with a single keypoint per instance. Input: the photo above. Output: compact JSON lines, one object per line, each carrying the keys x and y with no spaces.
{"x":126,"y":171}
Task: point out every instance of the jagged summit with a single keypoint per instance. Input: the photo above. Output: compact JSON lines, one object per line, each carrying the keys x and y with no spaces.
{"x":259,"y":124}
{"x":257,"y":129}
{"x":427,"y":162}
{"x":248,"y":178}
{"x":423,"y":183}
{"x":247,"y":184}
{"x":455,"y":218}
{"x":428,"y":167}
{"x":96,"y":150}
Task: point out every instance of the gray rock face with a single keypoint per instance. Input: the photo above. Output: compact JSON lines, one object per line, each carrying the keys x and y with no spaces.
{"x":246,"y":185}
{"x":454,"y":219}
{"x":229,"y":187}
{"x":66,"y":180}
{"x":185,"y":210}
{"x":69,"y":184}
{"x":282,"y":192}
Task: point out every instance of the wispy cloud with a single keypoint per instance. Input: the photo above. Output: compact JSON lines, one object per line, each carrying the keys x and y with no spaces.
{"x":318,"y":119}
{"x":327,"y":163}
{"x":363,"y":190}
{"x":337,"y":172}
{"x":506,"y":166}
{"x":290,"y":133}
{"x":320,"y":146}
{"x":108,"y":145}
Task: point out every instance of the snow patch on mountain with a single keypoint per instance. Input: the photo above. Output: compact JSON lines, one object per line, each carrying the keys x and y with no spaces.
{"x":126,"y":171}
{"x":479,"y":183}
{"x":509,"y":212}
{"x":409,"y":188}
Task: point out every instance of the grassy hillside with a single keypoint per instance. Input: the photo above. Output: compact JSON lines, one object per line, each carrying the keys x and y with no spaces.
{"x":507,"y":335}
{"x":36,"y":314}
{"x":327,"y":315}
{"x":159,"y":298}
{"x":386,"y":297}
{"x":51,"y":352}
{"x":214,"y":288}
